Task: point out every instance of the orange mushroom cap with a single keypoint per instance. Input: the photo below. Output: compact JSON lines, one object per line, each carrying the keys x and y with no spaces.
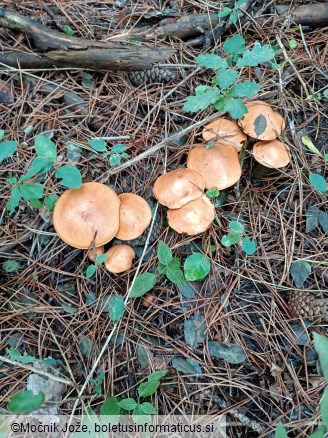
{"x":119,"y":259}
{"x":224,"y":131}
{"x":178,"y":187}
{"x":135,"y":216}
{"x":93,"y":253}
{"x":271,"y":153}
{"x":86,"y":214}
{"x":193,"y":218}
{"x":261,"y":121}
{"x":219,"y":165}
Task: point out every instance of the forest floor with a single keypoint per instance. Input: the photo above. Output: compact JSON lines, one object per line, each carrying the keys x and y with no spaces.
{"x":49,"y":308}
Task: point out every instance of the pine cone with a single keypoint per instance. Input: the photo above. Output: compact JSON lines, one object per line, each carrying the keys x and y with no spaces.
{"x":308,"y":305}
{"x":155,"y":74}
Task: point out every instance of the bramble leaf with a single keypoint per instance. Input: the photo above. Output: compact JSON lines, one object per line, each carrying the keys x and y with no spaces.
{"x":175,"y":275}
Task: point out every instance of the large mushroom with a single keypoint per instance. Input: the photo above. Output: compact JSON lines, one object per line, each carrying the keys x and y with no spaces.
{"x":261,"y":121}
{"x":178,"y":187}
{"x":87,"y":214}
{"x":218,"y":165}
{"x":273,"y":154}
{"x":135,"y":216}
{"x":224,"y":131}
{"x":119,"y":259}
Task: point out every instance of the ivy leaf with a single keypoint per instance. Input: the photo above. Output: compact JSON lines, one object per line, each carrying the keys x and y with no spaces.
{"x":164,"y":253}
{"x":260,"y":124}
{"x":256,"y":56}
{"x":230,"y":239}
{"x":44,"y":147}
{"x":116,"y":307}
{"x":248,"y":245}
{"x":31,"y":191}
{"x":175,"y":275}
{"x":7,"y":149}
{"x":202,"y":100}
{"x":196,"y":267}
{"x":234,"y":45}
{"x":128,"y":404}
{"x":244,"y":89}
{"x":321,"y":347}
{"x":236,"y":227}
{"x":225,"y":12}
{"x":280,"y":431}
{"x":148,"y":388}
{"x":70,"y":175}
{"x":226,"y":78}
{"x":25,"y":402}
{"x":318,"y":182}
{"x":91,"y":269}
{"x":98,"y":144}
{"x":211,"y":61}
{"x":308,"y":143}
{"x":229,"y":352}
{"x":143,"y":283}
{"x":300,"y":270}
{"x":119,"y":148}
{"x":14,"y":199}
{"x":235,"y":107}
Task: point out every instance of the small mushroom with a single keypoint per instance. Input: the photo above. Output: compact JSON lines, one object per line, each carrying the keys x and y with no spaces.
{"x":93,"y":253}
{"x":193,"y":218}
{"x":261,"y":121}
{"x":218,"y":165}
{"x":273,"y":154}
{"x":224,"y":131}
{"x":87,"y":214}
{"x":178,"y":187}
{"x":119,"y":259}
{"x":135,"y":216}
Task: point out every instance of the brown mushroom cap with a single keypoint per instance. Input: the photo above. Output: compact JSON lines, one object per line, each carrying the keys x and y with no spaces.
{"x":193,"y":218}
{"x":93,"y":253}
{"x":224,"y":131}
{"x":86,"y":214}
{"x":120,"y":258}
{"x":178,"y":187}
{"x":272,"y":153}
{"x":261,"y":118}
{"x":219,"y":165}
{"x":135,"y":216}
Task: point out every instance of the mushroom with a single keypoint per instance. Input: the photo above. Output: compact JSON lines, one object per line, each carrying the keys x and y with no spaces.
{"x":135,"y":216}
{"x":119,"y":259}
{"x":224,"y":131}
{"x":273,"y":154}
{"x":261,"y":121}
{"x":178,"y":187}
{"x":93,"y":253}
{"x":193,"y":218}
{"x":218,"y":165}
{"x":87,"y":214}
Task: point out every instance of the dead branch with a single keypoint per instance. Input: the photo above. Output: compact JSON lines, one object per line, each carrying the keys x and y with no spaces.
{"x":57,"y":49}
{"x":313,"y":14}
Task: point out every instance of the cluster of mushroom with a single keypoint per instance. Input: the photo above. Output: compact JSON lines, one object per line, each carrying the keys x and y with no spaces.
{"x":218,"y":166}
{"x":94,"y":215}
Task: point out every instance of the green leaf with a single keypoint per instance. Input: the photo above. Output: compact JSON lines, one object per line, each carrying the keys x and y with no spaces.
{"x":164,"y":253}
{"x":321,"y":347}
{"x":128,"y":404}
{"x":248,"y":245}
{"x":300,"y":270}
{"x":280,"y":431}
{"x":116,"y":307}
{"x":225,"y":12}
{"x":156,"y":375}
{"x":324,"y":408}
{"x":186,"y":290}
{"x":308,"y":143}
{"x":148,"y":388}
{"x":231,"y":353}
{"x":68,"y":30}
{"x":239,"y":3}
{"x":312,"y":218}
{"x":14,"y":199}
{"x":226,"y":78}
{"x":185,"y":366}
{"x":15,"y":355}
{"x":98,"y":144}
{"x":11,"y":266}
{"x":70,"y":175}
{"x":35,"y":203}
{"x":292,"y":44}
{"x":175,"y":275}
{"x":143,"y":283}
{"x":101,"y":258}
{"x":318,"y":182}
{"x":323,"y":221}
{"x":202,"y":100}
{"x":256,"y":56}
{"x":236,"y":227}
{"x":91,"y":269}
{"x":230,"y":239}
{"x":319,"y":432}
{"x":25,"y":402}
{"x":114,"y":159}
{"x":2,"y":134}
{"x":44,"y":147}
{"x":260,"y":124}
{"x":218,"y":105}
{"x":234,"y":16}
{"x":50,"y":202}
{"x":7,"y":149}
{"x":234,"y":45}
{"x":235,"y":107}
{"x":31,"y":191}
{"x":161,"y":268}
{"x":194,"y":330}
{"x":244,"y":89}
{"x":212,"y":193}
{"x":110,"y":407}
{"x":196,"y":267}
{"x":147,"y":408}
{"x":119,"y":148}
{"x":38,"y":166}
{"x":211,"y":61}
